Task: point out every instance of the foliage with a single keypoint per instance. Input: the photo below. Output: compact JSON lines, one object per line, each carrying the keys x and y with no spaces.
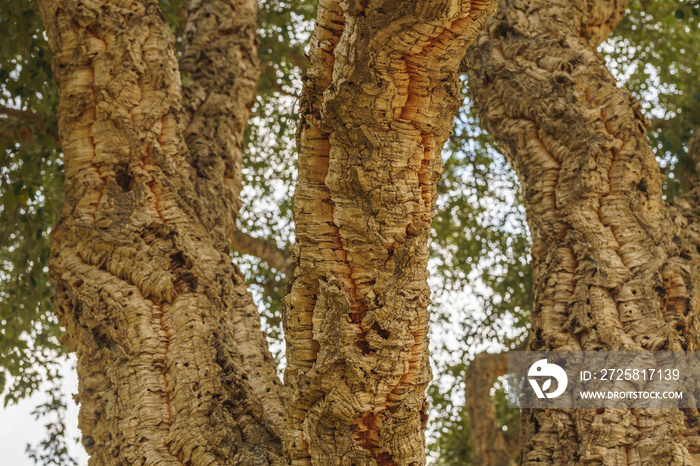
{"x":30,"y":199}
{"x":453,"y":441}
{"x":53,"y":448}
{"x":655,"y":52}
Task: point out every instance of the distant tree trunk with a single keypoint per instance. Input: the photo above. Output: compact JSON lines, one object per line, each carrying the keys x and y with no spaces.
{"x":615,"y":267}
{"x":172,"y":365}
{"x":490,"y":448}
{"x":377,"y":107}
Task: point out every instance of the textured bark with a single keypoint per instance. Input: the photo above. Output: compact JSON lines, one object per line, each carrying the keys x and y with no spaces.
{"x":490,"y":448}
{"x":377,"y":107}
{"x":614,"y":267}
{"x":220,"y":57}
{"x":158,"y":315}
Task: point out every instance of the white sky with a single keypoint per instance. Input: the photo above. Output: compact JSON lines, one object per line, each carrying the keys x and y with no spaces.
{"x":18,"y":427}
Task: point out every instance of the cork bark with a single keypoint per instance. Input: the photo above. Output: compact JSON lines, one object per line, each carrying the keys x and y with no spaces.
{"x":220,"y":58}
{"x":172,"y":366}
{"x":377,"y":108}
{"x":615,"y":267}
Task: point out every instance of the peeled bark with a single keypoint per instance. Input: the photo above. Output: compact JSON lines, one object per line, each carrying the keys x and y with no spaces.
{"x":615,"y":268}
{"x":152,"y":305}
{"x":377,"y":107}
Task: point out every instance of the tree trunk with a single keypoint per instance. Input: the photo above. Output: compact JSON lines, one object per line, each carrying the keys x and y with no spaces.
{"x":172,"y":365}
{"x":377,"y":107}
{"x":220,"y":57}
{"x":490,"y":448}
{"x":615,"y":268}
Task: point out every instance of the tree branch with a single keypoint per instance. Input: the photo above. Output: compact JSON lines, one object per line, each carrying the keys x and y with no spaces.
{"x":220,"y":56}
{"x":265,"y":250}
{"x":26,"y":133}
{"x":22,"y":125}
{"x":23,"y":115}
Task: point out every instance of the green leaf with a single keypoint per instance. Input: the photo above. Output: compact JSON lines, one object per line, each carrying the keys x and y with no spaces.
{"x":187,"y":80}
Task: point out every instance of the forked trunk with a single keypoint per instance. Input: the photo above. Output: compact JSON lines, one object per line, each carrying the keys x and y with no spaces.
{"x":172,"y":365}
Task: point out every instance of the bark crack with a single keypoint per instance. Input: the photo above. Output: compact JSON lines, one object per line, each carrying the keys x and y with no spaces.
{"x":164,"y":373}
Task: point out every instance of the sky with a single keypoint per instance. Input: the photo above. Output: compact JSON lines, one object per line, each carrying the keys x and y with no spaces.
{"x":18,"y":427}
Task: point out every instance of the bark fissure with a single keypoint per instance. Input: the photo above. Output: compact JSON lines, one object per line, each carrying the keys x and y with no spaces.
{"x":166,"y":383}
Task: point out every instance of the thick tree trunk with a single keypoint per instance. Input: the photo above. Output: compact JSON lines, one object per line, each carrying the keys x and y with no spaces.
{"x":172,"y":366}
{"x":377,"y":107}
{"x":614,"y":267}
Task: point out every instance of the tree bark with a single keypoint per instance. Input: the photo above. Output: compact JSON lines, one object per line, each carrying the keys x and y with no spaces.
{"x":171,"y":370}
{"x":615,"y":268}
{"x":220,"y":57}
{"x":490,"y":448}
{"x":172,"y":365}
{"x":377,"y":107}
